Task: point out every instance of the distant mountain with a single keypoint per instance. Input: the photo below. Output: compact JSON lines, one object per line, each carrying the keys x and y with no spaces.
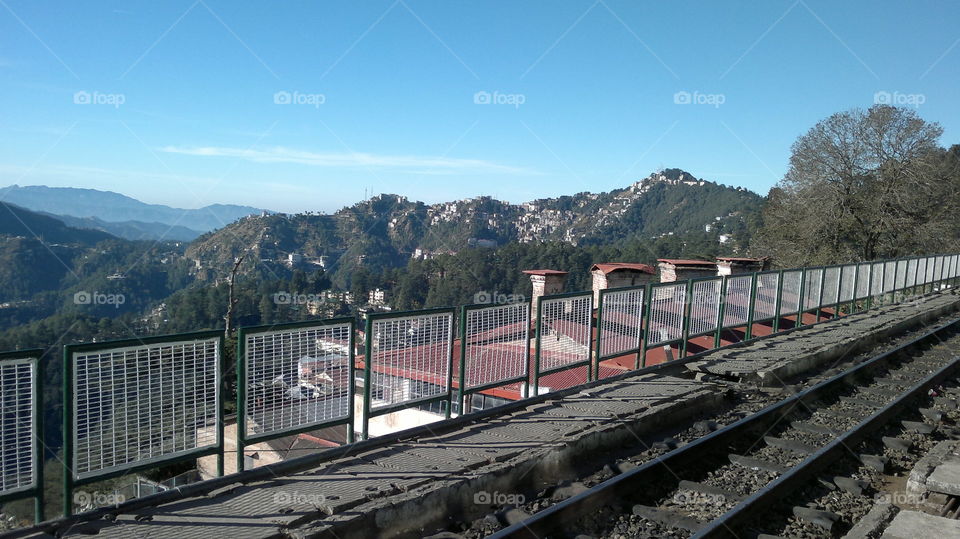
{"x":388,"y":230}
{"x":21,"y":222}
{"x":116,"y":208}
{"x":131,"y":230}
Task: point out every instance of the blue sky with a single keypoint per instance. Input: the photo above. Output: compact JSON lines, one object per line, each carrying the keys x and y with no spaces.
{"x":299,"y":106}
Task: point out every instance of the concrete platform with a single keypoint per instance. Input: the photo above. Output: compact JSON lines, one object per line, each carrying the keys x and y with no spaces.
{"x":422,"y":481}
{"x":914,"y":524}
{"x":769,"y":362}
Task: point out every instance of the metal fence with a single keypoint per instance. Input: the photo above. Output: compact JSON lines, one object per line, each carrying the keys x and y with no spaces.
{"x":294,"y":378}
{"x":138,"y":404}
{"x":408,"y":362}
{"x":494,"y":348}
{"x":564,"y":334}
{"x":21,"y":427}
{"x":620,"y":315}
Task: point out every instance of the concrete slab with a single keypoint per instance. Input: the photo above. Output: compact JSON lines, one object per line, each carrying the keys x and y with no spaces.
{"x":914,"y":524}
{"x":945,"y":478}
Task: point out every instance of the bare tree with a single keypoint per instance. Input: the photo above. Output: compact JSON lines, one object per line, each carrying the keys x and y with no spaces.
{"x":861,"y":185}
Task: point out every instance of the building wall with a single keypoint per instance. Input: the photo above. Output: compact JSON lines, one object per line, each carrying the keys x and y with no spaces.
{"x":617,"y":279}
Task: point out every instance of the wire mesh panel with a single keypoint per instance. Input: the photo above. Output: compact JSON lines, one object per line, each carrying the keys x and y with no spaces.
{"x":667,"y":302}
{"x":765,"y":298}
{"x":876,"y":279}
{"x":565,"y":331}
{"x":889,"y":273}
{"x":790,"y":292}
{"x":18,"y":436}
{"x":938,"y":274}
{"x":811,"y":288}
{"x":831,"y":286}
{"x":863,"y":280}
{"x":296,"y":377}
{"x":621,"y":321}
{"x":143,"y":403}
{"x":911,"y":278}
{"x":705,"y":306}
{"x":901,"y":280}
{"x":848,"y":275}
{"x":930,"y":269}
{"x":921,"y":271}
{"x":736,"y":309}
{"x":496,"y":344}
{"x":410,"y":358}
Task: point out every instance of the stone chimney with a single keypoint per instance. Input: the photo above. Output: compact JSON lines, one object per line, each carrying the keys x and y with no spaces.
{"x":545,"y":282}
{"x":618,"y":274}
{"x":672,"y":269}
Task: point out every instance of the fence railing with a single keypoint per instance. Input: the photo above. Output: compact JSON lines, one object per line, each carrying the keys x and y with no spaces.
{"x":137,"y":404}
{"x":21,"y":428}
{"x":294,"y":378}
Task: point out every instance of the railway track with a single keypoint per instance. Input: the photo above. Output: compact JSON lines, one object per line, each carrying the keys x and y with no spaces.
{"x":734,"y":480}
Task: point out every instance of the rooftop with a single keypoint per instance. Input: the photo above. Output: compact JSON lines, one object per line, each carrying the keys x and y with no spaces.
{"x":684,"y":262}
{"x":617,"y":266}
{"x":741,"y":259}
{"x":544,"y":272}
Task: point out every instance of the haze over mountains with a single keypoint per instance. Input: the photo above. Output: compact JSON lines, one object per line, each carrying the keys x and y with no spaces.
{"x":121,"y":215}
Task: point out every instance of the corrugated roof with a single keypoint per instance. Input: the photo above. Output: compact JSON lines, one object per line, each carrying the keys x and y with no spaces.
{"x":614,"y":266}
{"x":544,"y":272}
{"x":740,"y":259}
{"x":684,"y":262}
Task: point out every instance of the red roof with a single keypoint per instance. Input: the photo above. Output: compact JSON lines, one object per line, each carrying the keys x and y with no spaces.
{"x":738,"y":259}
{"x":544,"y":272}
{"x":616,"y":266}
{"x":682,"y":262}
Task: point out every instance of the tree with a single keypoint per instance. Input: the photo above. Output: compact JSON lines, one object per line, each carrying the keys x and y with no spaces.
{"x":861,"y":185}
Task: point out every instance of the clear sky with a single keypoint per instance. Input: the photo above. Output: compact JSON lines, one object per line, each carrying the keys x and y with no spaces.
{"x":303,"y":105}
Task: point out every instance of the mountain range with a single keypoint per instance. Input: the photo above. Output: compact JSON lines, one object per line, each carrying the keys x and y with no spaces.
{"x":121,"y":215}
{"x":387,"y":230}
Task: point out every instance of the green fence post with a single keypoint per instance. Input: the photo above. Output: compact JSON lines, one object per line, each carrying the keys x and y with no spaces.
{"x":721,"y":311}
{"x":801,"y":303}
{"x":67,"y":433}
{"x":38,"y":500}
{"x":750,"y":314}
{"x":367,"y":362}
{"x":536,"y":359}
{"x":687,"y":304}
{"x":645,"y":326}
{"x":823,"y":280}
{"x":463,"y":357}
{"x":451,"y":339}
{"x":220,"y":406}
{"x":595,"y":363}
{"x":778,"y":303}
{"x":241,"y":399}
{"x":856,"y":285}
